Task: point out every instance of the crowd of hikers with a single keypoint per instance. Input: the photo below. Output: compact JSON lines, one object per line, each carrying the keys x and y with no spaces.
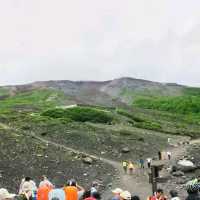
{"x":72,"y":191}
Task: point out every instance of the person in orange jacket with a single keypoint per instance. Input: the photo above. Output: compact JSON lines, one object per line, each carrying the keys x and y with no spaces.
{"x":71,"y":190}
{"x":43,"y":192}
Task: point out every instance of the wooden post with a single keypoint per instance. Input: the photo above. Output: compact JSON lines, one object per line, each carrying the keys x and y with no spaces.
{"x":154,"y":182}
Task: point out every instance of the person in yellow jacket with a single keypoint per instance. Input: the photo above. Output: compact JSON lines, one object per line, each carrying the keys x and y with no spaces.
{"x":130,"y":167}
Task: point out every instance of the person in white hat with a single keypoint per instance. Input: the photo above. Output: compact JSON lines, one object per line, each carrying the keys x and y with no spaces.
{"x":125,"y":195}
{"x":27,"y":191}
{"x":117,"y":193}
{"x":27,"y":182}
{"x":5,"y":195}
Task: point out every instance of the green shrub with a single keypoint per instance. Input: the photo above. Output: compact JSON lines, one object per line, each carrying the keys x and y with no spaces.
{"x":181,"y":105}
{"x":149,"y":125}
{"x":80,"y":114}
{"x":129,"y":115}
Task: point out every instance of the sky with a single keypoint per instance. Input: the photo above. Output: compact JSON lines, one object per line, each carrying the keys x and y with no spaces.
{"x":157,"y":40}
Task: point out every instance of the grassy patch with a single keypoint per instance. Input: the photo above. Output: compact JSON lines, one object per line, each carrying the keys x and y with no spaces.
{"x":80,"y":114}
{"x":140,"y":122}
{"x":36,"y":99}
{"x":181,"y":105}
{"x":129,"y":115}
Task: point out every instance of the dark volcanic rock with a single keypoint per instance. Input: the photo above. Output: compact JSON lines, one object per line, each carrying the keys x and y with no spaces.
{"x":178,"y":173}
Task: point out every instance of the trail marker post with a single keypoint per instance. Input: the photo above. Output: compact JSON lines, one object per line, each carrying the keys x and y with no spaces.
{"x":154,"y":175}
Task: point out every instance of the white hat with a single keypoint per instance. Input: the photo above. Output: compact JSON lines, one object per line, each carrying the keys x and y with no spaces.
{"x":4,"y":194}
{"x":125,"y":195}
{"x":117,"y":191}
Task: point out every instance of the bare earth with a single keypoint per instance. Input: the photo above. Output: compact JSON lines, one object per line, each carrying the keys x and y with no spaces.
{"x":138,"y":182}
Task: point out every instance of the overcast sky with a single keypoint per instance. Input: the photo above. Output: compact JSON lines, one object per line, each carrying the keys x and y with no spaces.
{"x":157,"y":40}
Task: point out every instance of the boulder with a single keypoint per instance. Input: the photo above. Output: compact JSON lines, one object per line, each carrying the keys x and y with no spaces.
{"x":186,"y":166}
{"x":125,"y":150}
{"x":87,"y":160}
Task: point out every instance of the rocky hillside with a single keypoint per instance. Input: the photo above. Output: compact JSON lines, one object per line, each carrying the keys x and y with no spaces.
{"x":118,"y":119}
{"x":113,"y":92}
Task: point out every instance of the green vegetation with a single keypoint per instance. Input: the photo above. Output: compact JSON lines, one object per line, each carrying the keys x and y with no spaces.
{"x":80,"y":114}
{"x":174,"y":115}
{"x":187,"y":104}
{"x":3,"y":92}
{"x":36,"y":99}
{"x":139,"y":121}
{"x":192,"y":91}
{"x":181,"y":105}
{"x":129,"y":115}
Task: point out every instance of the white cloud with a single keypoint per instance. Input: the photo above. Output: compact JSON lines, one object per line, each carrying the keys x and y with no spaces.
{"x":99,"y":40}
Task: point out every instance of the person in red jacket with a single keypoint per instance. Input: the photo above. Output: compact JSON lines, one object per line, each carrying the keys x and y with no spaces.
{"x":159,"y":195}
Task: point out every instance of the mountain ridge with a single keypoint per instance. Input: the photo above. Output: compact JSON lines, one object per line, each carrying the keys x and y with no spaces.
{"x":97,"y":82}
{"x":112,"y":92}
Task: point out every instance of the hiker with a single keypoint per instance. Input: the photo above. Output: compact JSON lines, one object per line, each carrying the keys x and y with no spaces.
{"x":125,"y":166}
{"x":159,"y":195}
{"x":71,"y":191}
{"x":5,"y":195}
{"x":125,"y":195}
{"x":26,"y":192}
{"x":57,"y":193}
{"x":130,"y":167}
{"x":149,"y":162}
{"x":45,"y":181}
{"x":95,"y":187}
{"x":116,"y":193}
{"x":174,"y":195}
{"x":135,"y":198}
{"x":43,"y":191}
{"x":193,"y":191}
{"x":94,"y":196}
{"x":86,"y":195}
{"x":169,"y":154}
{"x":24,"y":182}
{"x":160,"y":155}
{"x":81,"y":191}
{"x":141,"y":163}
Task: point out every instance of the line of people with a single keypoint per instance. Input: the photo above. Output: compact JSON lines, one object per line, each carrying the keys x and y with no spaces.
{"x":129,"y":165}
{"x":47,"y":191}
{"x":72,"y":191}
{"x":192,"y":187}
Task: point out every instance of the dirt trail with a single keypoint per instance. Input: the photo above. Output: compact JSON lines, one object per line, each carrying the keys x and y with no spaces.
{"x":134,"y":183}
{"x":138,"y":182}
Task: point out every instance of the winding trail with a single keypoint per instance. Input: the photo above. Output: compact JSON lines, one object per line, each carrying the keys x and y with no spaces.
{"x":134,"y":183}
{"x":138,"y":182}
